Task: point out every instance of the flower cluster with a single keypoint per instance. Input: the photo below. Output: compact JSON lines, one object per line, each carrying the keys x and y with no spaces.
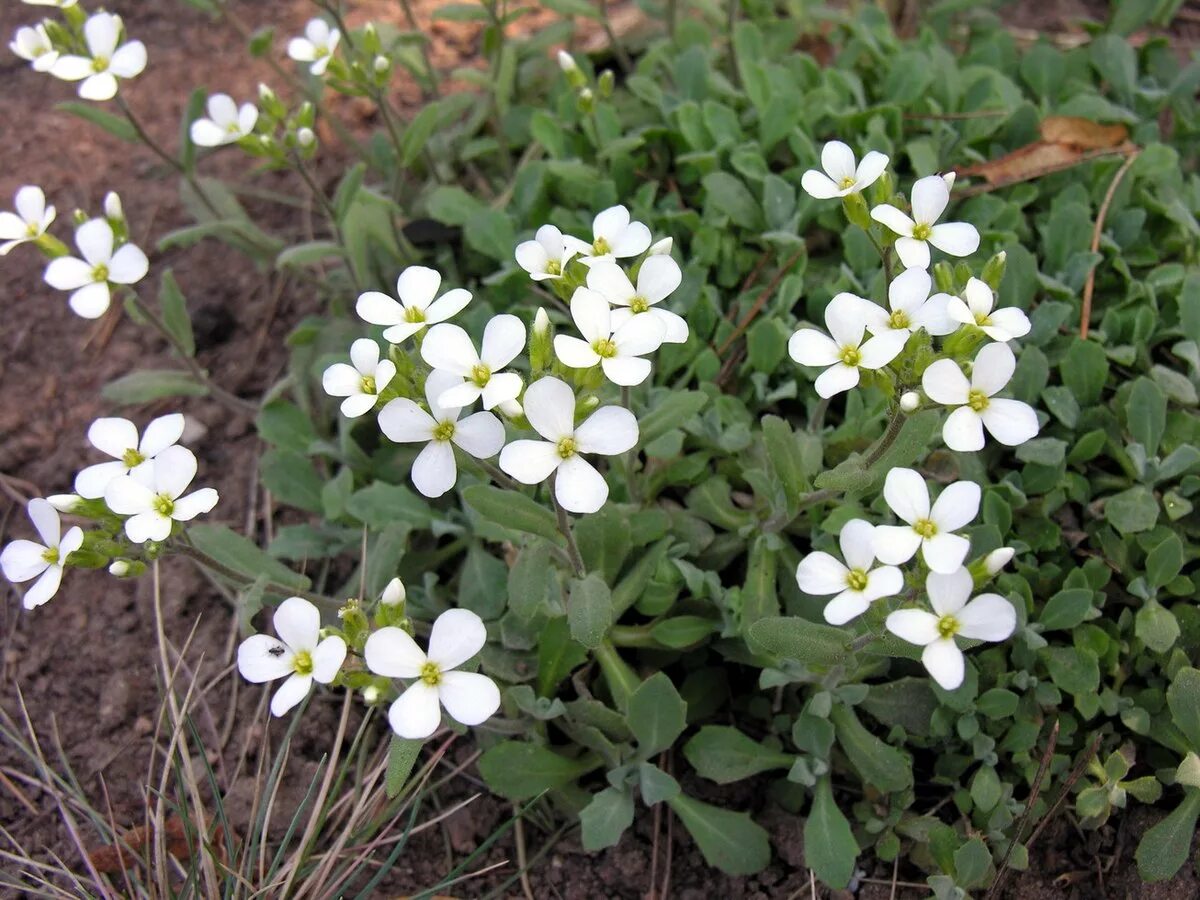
{"x":82,"y":48}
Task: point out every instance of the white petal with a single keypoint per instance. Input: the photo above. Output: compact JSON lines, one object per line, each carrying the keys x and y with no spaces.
{"x":895,"y":544}
{"x":438,"y":383}
{"x":418,"y":285}
{"x":810,"y":347}
{"x":161,"y":433}
{"x":72,"y":68}
{"x":820,"y":574}
{"x":932,"y":315}
{"x":880,"y":350}
{"x":989,"y":617}
{"x":129,"y":61}
{"x":126,"y":496}
{"x":13,"y":228}
{"x":393,"y":653}
{"x":907,"y":495}
{"x":633,"y":241}
{"x":610,"y":223}
{"x":837,"y":378}
{"x":532,"y":257}
{"x":909,"y":290}
{"x":462,"y":394}
{"x":416,"y":713}
{"x":818,"y":185}
{"x":658,"y":277}
{"x":610,"y":281}
{"x":469,"y":698}
{"x":579,"y":487}
{"x":128,"y":266}
{"x":608,"y":431}
{"x":913,"y":625}
{"x":358,"y":405}
{"x":845,"y":606}
{"x":364,"y":354}
{"x":456,"y":636}
{"x":642,"y":334}
{"x":379,"y":309}
{"x":944,"y":661}
{"x":222,"y":110}
{"x":30,"y":204}
{"x":405,"y":422}
{"x":948,"y":592}
{"x":876,"y":318}
{"x":957,"y":310}
{"x":194,"y":504}
{"x":44,"y":588}
{"x":101,"y":32}
{"x":91,"y":301}
{"x":574,"y":352}
{"x":944,"y":553}
{"x":68,"y":273}
{"x":503,"y":340}
{"x":147,"y":526}
{"x":247,"y":118}
{"x":844,"y":319}
{"x":963,"y":430}
{"x":480,"y":434}
{"x":530,"y":462}
{"x":930,"y":195}
{"x":207,"y":133}
{"x":327,"y":658}
{"x":99,"y":87}
{"x":550,"y":239}
{"x":837,"y":159}
{"x":993,"y":368}
{"x":290,"y":693}
{"x":384,"y":373}
{"x":448,"y":305}
{"x":1011,"y":422}
{"x":45,"y":520}
{"x":955,"y":238}
{"x":550,"y":408}
{"x":434,"y":471}
{"x":913,"y":253}
{"x":892,"y":218}
{"x":400,"y":333}
{"x":869,"y":170}
{"x":450,"y":348}
{"x":174,"y":470}
{"x":957,"y":506}
{"x":1010,"y":322}
{"x":945,"y":383}
{"x":979,"y":296}
{"x":886,"y":581}
{"x":857,"y":541}
{"x":591,"y":313}
{"x":298,"y":624}
{"x":262,"y":658}
{"x":501,"y":388}
{"x":71,"y":542}
{"x":318,"y":31}
{"x":342,"y":380}
{"x":626,"y":371}
{"x":675,"y":327}
{"x":22,"y":560}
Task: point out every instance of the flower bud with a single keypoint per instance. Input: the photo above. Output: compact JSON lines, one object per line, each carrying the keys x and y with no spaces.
{"x":943,"y":278}
{"x":993,"y":270}
{"x":586,"y":100}
{"x":64,"y":503}
{"x":511,"y":409}
{"x":541,"y":342}
{"x":661,"y":248}
{"x":997,"y":560}
{"x":306,"y":115}
{"x":856,"y":210}
{"x":113,"y":211}
{"x":910,"y":401}
{"x":370,"y":694}
{"x":305,"y":137}
{"x":126,"y":568}
{"x":566,"y":62}
{"x":381,"y":64}
{"x":394,"y":593}
{"x":606,"y":82}
{"x":949,"y":179}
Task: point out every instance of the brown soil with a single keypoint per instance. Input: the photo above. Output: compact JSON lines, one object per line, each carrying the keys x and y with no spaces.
{"x":84,"y":667}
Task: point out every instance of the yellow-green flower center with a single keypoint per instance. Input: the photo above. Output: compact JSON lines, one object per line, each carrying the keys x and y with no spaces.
{"x":443,"y":431}
{"x":100,"y":64}
{"x":925,"y":528}
{"x":480,"y":374}
{"x":847,"y":182}
{"x":302,"y":663}
{"x":982,"y":319}
{"x":163,"y":504}
{"x":850,"y":356}
{"x":856,"y":580}
{"x":132,"y":458}
{"x":604,"y":348}
{"x":639,"y":304}
{"x":368,"y":384}
{"x":977,"y":400}
{"x":947,"y":626}
{"x":899,"y":319}
{"x":431,"y":674}
{"x":100,"y":273}
{"x":554,"y":267}
{"x":33,"y":229}
{"x":567,"y":447}
{"x":50,"y":555}
{"x":600,"y":247}
{"x":414,"y":314}
{"x":921,"y":231}
{"x":320,"y":52}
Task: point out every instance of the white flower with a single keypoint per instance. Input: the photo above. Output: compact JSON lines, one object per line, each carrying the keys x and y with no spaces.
{"x":1000,"y":325}
{"x":416,"y":287}
{"x":989,"y":617}
{"x":618,"y":351}
{"x":911,"y":307}
{"x":930,"y":197}
{"x":360,"y":383}
{"x":64,"y":503}
{"x":119,"y":439}
{"x":1011,"y":422}
{"x":226,"y":123}
{"x":856,"y":584}
{"x":614,"y":235}
{"x":550,"y":409}
{"x":846,"y":352}
{"x":841,"y":175}
{"x":298,"y":652}
{"x":61,"y":4}
{"x":29,"y":222}
{"x":928,"y":529}
{"x":154,"y":499}
{"x":469,"y":697}
{"x":316,"y":47}
{"x":105,"y":62}
{"x":434,"y":471}
{"x":89,"y":278}
{"x":23,"y":560}
{"x":448,"y":348}
{"x":658,"y":277}
{"x":34,"y":45}
{"x":546,"y":256}
{"x":394,"y":593}
{"x":998,"y":559}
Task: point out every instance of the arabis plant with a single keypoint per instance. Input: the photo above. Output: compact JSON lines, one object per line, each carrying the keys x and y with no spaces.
{"x":842,"y":176}
{"x":417,"y":287}
{"x":132,"y":455}
{"x":545,"y":258}
{"x":849,"y":349}
{"x":974,"y":403}
{"x":930,"y":197}
{"x":317,"y":47}
{"x":362,"y":381}
{"x":29,"y":222}
{"x":25,"y":560}
{"x":227,"y":123}
{"x":103,"y":264}
{"x":106,"y":61}
{"x":155,"y":499}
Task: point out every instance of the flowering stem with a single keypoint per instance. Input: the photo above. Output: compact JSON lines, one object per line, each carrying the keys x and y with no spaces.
{"x":201,"y":558}
{"x":564,"y":526}
{"x":631,"y":456}
{"x":884,"y":254}
{"x":634,"y":636}
{"x":894,"y":426}
{"x":618,"y":48}
{"x":433,"y":89}
{"x":497,"y":476}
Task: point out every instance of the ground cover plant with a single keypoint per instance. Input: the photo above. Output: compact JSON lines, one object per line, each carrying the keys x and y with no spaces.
{"x":836,"y":419}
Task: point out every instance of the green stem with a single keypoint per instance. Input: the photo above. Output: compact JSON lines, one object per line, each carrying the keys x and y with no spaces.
{"x":411,"y":19}
{"x":497,"y":475}
{"x":634,"y":636}
{"x":885,"y":255}
{"x":198,"y":556}
{"x":623,"y":59}
{"x":564,"y":526}
{"x":631,"y":480}
{"x":622,"y":680}
{"x":894,"y":427}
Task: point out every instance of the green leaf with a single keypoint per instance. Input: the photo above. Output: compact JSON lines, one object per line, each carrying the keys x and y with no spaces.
{"x":308,"y":254}
{"x":1085,"y":370}
{"x":809,"y":643}
{"x":1066,"y":609}
{"x":730,"y":841}
{"x":418,"y":132}
{"x":1075,"y":671}
{"x":151,"y":384}
{"x":532,"y":582}
{"x":605,"y":819}
{"x":673,"y":409}
{"x":292,"y":479}
{"x":558,"y":656}
{"x":853,"y":476}
{"x":117,"y":126}
{"x":759,"y":597}
{"x":604,"y":542}
{"x":656,"y":784}
{"x":452,"y":205}
{"x":589,"y":610}
{"x":971,"y":864}
{"x":1165,"y":561}
{"x":786,"y":456}
{"x":483,"y":584}
{"x":1146,"y":413}
{"x":402,"y":756}
{"x":1156,"y":627}
{"x":1164,"y":848}
{"x":243,"y":555}
{"x":657,"y":715}
{"x":725,"y":755}
{"x":726,"y":195}
{"x":511,"y":510}
{"x":380,"y":504}
{"x":1183,"y":697}
{"x":384,"y":553}
{"x":520,"y":771}
{"x":679,"y":632}
{"x":879,"y":763}
{"x":286,"y":426}
{"x":986,"y":791}
{"x":175,"y":316}
{"x":1132,"y":511}
{"x":829,"y":845}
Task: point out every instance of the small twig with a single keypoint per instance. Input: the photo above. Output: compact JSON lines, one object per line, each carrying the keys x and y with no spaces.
{"x":564,"y":526}
{"x":1043,"y":767}
{"x":760,"y":302}
{"x":1061,"y":799}
{"x":1089,"y":285}
{"x":522,"y":856}
{"x":955,"y":117}
{"x":618,"y":48}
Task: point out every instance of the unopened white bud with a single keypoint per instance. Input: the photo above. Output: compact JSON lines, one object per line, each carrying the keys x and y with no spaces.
{"x":910,"y":401}
{"x":119,"y":568}
{"x":64,"y":503}
{"x":566,"y":61}
{"x":541,"y":321}
{"x":265,"y":93}
{"x":998,"y":559}
{"x":949,"y":179}
{"x":394,"y":593}
{"x":112,"y":207}
{"x":370,"y":694}
{"x":661,"y":248}
{"x":305,"y":137}
{"x":382,"y":64}
{"x":511,"y":409}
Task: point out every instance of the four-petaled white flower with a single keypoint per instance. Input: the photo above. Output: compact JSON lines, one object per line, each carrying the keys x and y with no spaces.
{"x":89,"y":278}
{"x":434,"y":471}
{"x":469,"y":697}
{"x":545,"y":258}
{"x":657,"y":278}
{"x":911,"y":307}
{"x":929,"y":529}
{"x":614,"y":236}
{"x":1000,"y":325}
{"x":930,"y":196}
{"x":132,"y":455}
{"x":33,"y":44}
{"x":416,"y":287}
{"x":298,"y":653}
{"x":226,"y":122}
{"x":316,"y":47}
{"x":29,"y":222}
{"x":1011,"y":422}
{"x":154,"y":498}
{"x":619,"y":351}
{"x":989,"y":617}
{"x":360,"y":383}
{"x":842,"y":176}
{"x":23,"y":560}
{"x":550,"y":409}
{"x":61,"y":4}
{"x":448,"y":348}
{"x":856,"y":584}
{"x":105,"y":62}
{"x":846,"y":352}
